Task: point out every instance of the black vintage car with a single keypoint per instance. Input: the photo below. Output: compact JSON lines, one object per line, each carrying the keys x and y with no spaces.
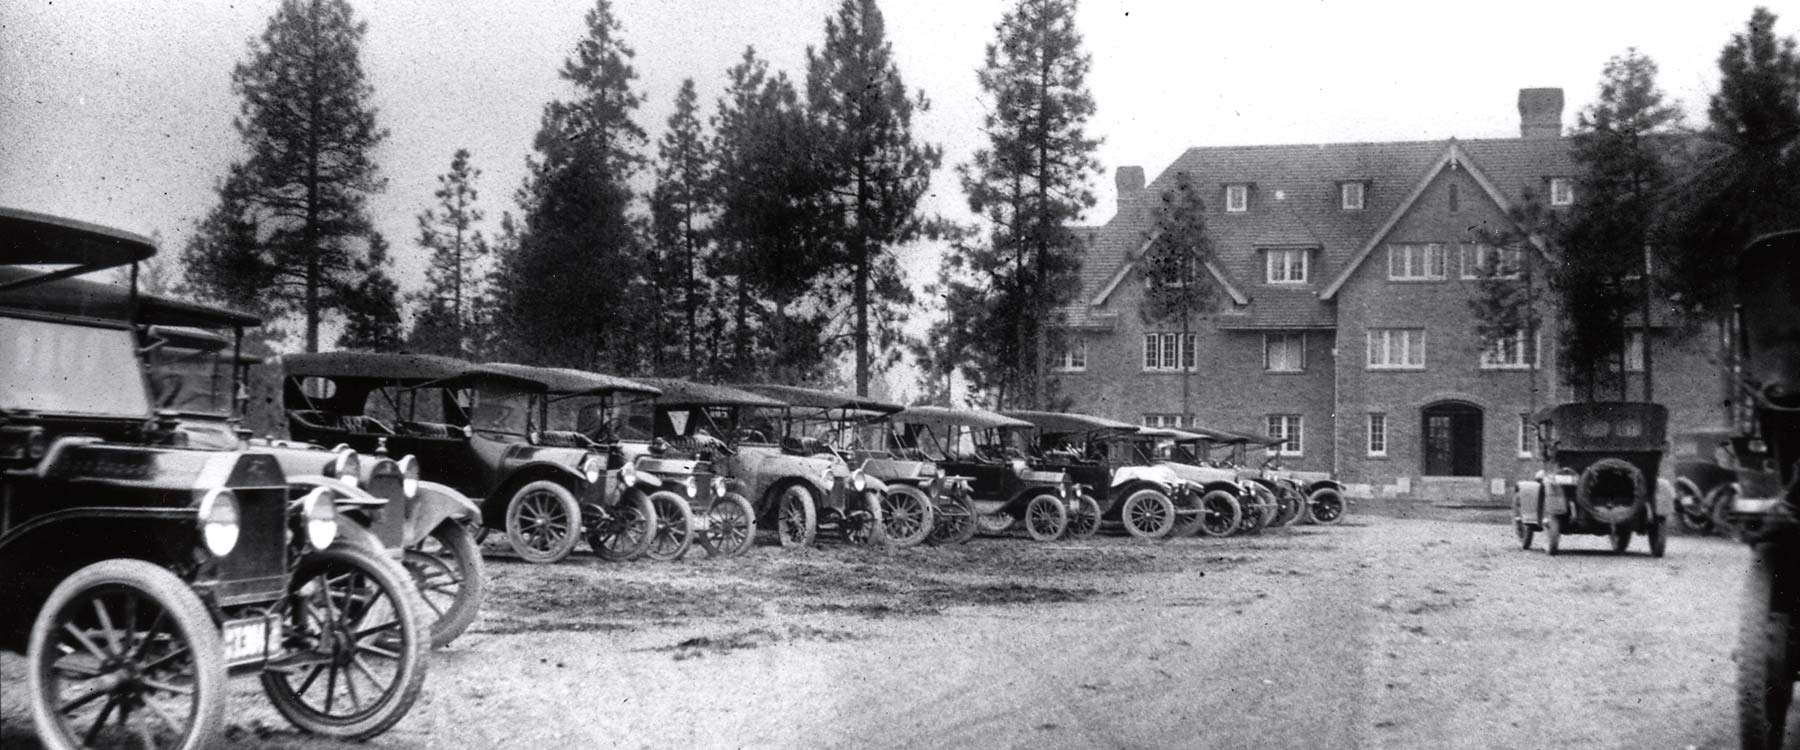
{"x":1767,"y":512}
{"x":141,"y":570}
{"x":1149,"y":501}
{"x":970,"y":447}
{"x":1600,"y":476}
{"x":470,"y":429}
{"x":1705,"y":480}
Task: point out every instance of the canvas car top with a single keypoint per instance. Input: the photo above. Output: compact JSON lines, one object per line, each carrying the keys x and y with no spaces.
{"x":938,"y":416}
{"x":564,"y":381}
{"x":93,"y":299}
{"x":1608,"y":425}
{"x":1056,"y":423}
{"x":31,"y":238}
{"x":814,"y":398}
{"x":676,"y":392}
{"x":411,"y":369}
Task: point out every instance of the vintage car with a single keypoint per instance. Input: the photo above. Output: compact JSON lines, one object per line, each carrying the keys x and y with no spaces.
{"x":1273,"y":503}
{"x":828,"y":425}
{"x":1149,"y":501}
{"x":692,"y":503}
{"x":1706,"y":480}
{"x":469,"y":429}
{"x":160,"y":568}
{"x":1225,"y":492}
{"x":1600,"y":476}
{"x":739,"y":433}
{"x":1767,"y":511}
{"x":1307,"y":496}
{"x":971,"y":448}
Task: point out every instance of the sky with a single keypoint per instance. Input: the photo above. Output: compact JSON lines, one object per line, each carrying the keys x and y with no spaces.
{"x":119,"y":111}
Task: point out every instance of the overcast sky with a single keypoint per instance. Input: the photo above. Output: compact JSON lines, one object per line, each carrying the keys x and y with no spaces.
{"x":119,"y":112}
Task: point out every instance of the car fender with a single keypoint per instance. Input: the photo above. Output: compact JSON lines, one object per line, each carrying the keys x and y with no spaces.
{"x":344,"y":493}
{"x":1160,"y":476}
{"x":1665,"y":498}
{"x":1692,"y":488}
{"x":1324,"y":484}
{"x":434,"y":505}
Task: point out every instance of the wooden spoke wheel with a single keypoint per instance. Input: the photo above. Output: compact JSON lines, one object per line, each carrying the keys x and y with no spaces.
{"x":674,"y":534}
{"x":730,"y":526}
{"x":446,"y":567}
{"x":624,"y":531}
{"x":1046,"y":518}
{"x":906,"y":515}
{"x":1148,"y":514}
{"x":954,"y":521}
{"x":796,"y":517}
{"x":1084,"y":520}
{"x":543,"y":522}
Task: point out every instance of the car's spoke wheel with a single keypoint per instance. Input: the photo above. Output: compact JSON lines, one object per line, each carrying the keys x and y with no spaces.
{"x":1524,"y":533}
{"x":1190,"y":512}
{"x":543,"y":522}
{"x":123,"y":654}
{"x":1148,"y":514}
{"x":357,"y":643}
{"x":867,"y":526}
{"x":1720,"y":508}
{"x":1045,"y":518}
{"x":1084,"y":521}
{"x":1288,"y":507}
{"x":906,"y":515}
{"x":1325,"y":506}
{"x":730,"y":526}
{"x":674,"y":527}
{"x":1691,"y":509}
{"x":1765,"y":682}
{"x":623,"y":531}
{"x":446,"y":567}
{"x":954,"y":521}
{"x":1552,"y":535}
{"x":796,"y":517}
{"x":994,"y":523}
{"x":1221,"y":514}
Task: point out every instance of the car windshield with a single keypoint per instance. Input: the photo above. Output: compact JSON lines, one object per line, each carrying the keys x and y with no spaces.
{"x":64,"y":368}
{"x":598,"y":417}
{"x":191,"y":381}
{"x":1183,"y":453}
{"x":501,"y":409}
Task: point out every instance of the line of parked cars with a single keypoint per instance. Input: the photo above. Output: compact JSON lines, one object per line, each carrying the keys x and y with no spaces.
{"x":174,"y":511}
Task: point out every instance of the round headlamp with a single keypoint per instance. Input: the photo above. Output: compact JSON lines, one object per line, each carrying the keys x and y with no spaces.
{"x":689,"y":486}
{"x":628,"y":474}
{"x":825,"y":478}
{"x":218,"y":518}
{"x":591,"y":468}
{"x":345,"y":467}
{"x":409,"y":476}
{"x":718,"y":486}
{"x":320,"y":514}
{"x":859,"y":480}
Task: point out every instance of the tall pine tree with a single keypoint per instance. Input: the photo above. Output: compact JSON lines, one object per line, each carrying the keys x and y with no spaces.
{"x":372,"y":304}
{"x":681,"y":208}
{"x":876,"y":173}
{"x":284,"y":237}
{"x":1176,"y":264}
{"x":455,"y":287}
{"x":567,"y":290}
{"x":1029,"y":184}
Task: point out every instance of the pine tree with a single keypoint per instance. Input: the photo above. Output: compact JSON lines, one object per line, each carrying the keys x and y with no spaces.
{"x":283,"y":237}
{"x":681,"y":208}
{"x":876,"y":172}
{"x":451,"y":301}
{"x":569,"y":290}
{"x":1176,"y":267}
{"x":372,"y":304}
{"x":1029,"y":184}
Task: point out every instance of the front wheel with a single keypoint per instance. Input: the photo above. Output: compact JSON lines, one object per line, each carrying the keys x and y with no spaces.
{"x":543,"y":522}
{"x":1148,"y":514}
{"x":446,"y":568}
{"x":625,"y":530}
{"x":730,"y":526}
{"x":1190,"y":512}
{"x":1325,"y":506}
{"x":1220,"y":514}
{"x":1084,"y":520}
{"x":796,"y":517}
{"x":351,"y":617}
{"x":1045,"y":518}
{"x":128,"y":642}
{"x":1288,"y":508}
{"x":906,"y":515}
{"x":1765,"y":672}
{"x":674,"y":527}
{"x":954,"y":521}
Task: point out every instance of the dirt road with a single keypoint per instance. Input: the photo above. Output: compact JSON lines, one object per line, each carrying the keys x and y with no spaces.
{"x":1382,"y":633}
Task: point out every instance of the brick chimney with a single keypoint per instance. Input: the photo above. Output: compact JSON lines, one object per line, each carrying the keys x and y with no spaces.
{"x":1130,"y":182}
{"x":1540,"y":113}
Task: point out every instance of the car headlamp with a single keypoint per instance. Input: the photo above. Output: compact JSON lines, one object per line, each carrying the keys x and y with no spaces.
{"x":628,"y":474}
{"x":718,"y":487}
{"x":345,"y":467}
{"x":689,"y":486}
{"x":591,"y":468}
{"x":409,"y":476}
{"x":826,"y":479}
{"x":859,"y":480}
{"x":320,"y":514}
{"x":218,"y":519}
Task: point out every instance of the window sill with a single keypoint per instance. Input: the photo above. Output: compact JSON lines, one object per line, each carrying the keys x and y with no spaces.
{"x":1378,"y":456}
{"x":1302,"y":282}
{"x":1284,"y":372}
{"x":1188,"y":371}
{"x":1507,"y":368}
{"x":1390,"y":368}
{"x":1068,"y":369}
{"x":1419,"y":280}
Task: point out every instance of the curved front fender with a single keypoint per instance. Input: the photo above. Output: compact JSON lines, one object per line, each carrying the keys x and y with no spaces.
{"x":345,"y":494}
{"x":435,"y":504}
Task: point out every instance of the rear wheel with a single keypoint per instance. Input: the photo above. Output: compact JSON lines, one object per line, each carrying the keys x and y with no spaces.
{"x":906,"y":515}
{"x":796,"y":517}
{"x":866,"y":527}
{"x":351,"y":617}
{"x":1046,"y":518}
{"x":1325,"y":506}
{"x":1288,"y":508}
{"x":446,"y":568}
{"x":954,"y":519}
{"x":1084,"y":522}
{"x":674,"y":527}
{"x":1765,"y":672}
{"x":1221,"y":514}
{"x":625,"y":530}
{"x":126,"y":642}
{"x":543,"y":522}
{"x":730,"y":526}
{"x":1148,"y":514}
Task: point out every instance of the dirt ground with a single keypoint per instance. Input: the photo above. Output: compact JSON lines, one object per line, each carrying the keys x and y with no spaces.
{"x":1380,"y":633}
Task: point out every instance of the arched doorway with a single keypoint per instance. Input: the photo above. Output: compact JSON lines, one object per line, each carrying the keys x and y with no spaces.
{"x":1452,"y":433}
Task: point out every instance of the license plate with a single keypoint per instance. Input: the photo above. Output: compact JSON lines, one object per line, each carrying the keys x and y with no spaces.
{"x":250,"y":639}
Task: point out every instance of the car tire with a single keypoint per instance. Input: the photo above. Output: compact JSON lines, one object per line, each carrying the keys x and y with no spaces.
{"x":187,"y":624}
{"x":1326,"y":506}
{"x":624,"y":531}
{"x":907,"y":515}
{"x":1765,"y":685}
{"x":1045,"y":518}
{"x":1084,"y":522}
{"x":1220,"y":514}
{"x":1147,"y":514}
{"x":450,"y":579}
{"x":400,"y":636}
{"x":674,"y":527}
{"x":1691,"y":509}
{"x":796,"y":516}
{"x":1289,"y":506}
{"x":730,"y":526}
{"x":1552,"y":535}
{"x":1190,"y":511}
{"x":1659,"y":537}
{"x":954,"y":521}
{"x":1722,"y":499}
{"x":867,"y":527}
{"x":1524,"y":532}
{"x":543,"y":522}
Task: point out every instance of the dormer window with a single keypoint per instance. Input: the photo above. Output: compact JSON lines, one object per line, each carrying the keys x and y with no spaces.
{"x":1237,"y":198}
{"x":1562,"y":191}
{"x":1286,"y":266}
{"x":1350,"y":196}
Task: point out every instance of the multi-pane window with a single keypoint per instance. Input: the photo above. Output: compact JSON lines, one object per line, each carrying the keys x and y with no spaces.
{"x":1377,"y":434}
{"x":1634,"y":351}
{"x":1073,"y":356}
{"x":1237,"y":198}
{"x":1416,"y":261}
{"x":1527,"y":437}
{"x":1482,"y":260}
{"x":1286,"y":266}
{"x":1168,"y":351}
{"x":1165,"y":420}
{"x":1284,"y":352}
{"x":1396,"y":348}
{"x":1350,"y":196}
{"x":1511,"y":351}
{"x":1562,"y":191}
{"x":1286,"y":426}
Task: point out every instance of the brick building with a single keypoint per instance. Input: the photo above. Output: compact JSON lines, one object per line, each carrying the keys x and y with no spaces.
{"x":1347,"y":271}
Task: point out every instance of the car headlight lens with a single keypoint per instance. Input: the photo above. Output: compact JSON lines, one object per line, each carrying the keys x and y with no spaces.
{"x":859,"y":480}
{"x":346,"y":467}
{"x":826,"y":479}
{"x":409,"y":476}
{"x":591,"y":468}
{"x":690,"y":486}
{"x":628,"y":474}
{"x":321,"y":518}
{"x":219,"y":521}
{"x":718,"y":487}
